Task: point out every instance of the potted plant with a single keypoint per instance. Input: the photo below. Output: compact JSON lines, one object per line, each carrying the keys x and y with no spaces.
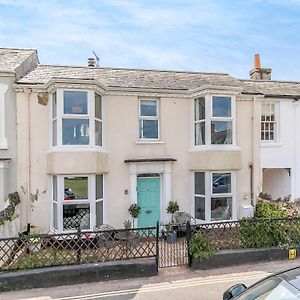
{"x":127,"y":224}
{"x":172,"y":208}
{"x":201,"y":247}
{"x":34,"y":244}
{"x":170,"y":234}
{"x":134,"y":211}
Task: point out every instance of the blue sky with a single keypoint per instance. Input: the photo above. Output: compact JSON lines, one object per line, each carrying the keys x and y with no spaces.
{"x":205,"y":36}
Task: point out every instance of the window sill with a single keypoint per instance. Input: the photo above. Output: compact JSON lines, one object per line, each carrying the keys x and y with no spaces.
{"x":143,"y":142}
{"x":271,"y":144}
{"x":3,"y":146}
{"x":76,"y":149}
{"x":215,"y":148}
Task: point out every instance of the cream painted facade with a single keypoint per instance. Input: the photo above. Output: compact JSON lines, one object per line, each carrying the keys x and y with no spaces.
{"x":123,"y":156}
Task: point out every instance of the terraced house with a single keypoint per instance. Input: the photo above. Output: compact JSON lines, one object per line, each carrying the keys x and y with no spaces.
{"x":91,"y":141}
{"x":14,"y":63}
{"x":100,"y":139}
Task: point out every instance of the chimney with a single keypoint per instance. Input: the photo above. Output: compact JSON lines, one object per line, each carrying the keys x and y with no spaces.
{"x":259,"y":73}
{"x":91,"y":62}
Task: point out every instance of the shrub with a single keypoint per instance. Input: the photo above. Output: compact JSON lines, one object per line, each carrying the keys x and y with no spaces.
{"x":201,"y":247}
{"x":264,"y":233}
{"x":280,"y":208}
{"x":269,"y":209}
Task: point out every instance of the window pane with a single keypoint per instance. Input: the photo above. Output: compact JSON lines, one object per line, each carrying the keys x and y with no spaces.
{"x":200,"y":208}
{"x":54,"y":105}
{"x":200,"y":133}
{"x":221,"y":106}
{"x":55,"y":215}
{"x":54,"y":190}
{"x":148,"y":108}
{"x":76,"y":216}
{"x":221,"y":132}
{"x":98,"y":110}
{"x":75,"y":103}
{"x":54,"y":133}
{"x":199,"y":109}
{"x":221,"y":183}
{"x":200,"y":183}
{"x":221,"y":209}
{"x":76,"y":188}
{"x":99,"y":213}
{"x":150,"y":129}
{"x":98,"y":133}
{"x":99,"y":186}
{"x":75,"y":132}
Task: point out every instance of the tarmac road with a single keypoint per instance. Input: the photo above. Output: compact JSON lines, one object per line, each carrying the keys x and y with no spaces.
{"x":172,"y":283}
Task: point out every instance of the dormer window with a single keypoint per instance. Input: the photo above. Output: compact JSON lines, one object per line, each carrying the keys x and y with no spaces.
{"x":213,"y":120}
{"x":76,"y":118}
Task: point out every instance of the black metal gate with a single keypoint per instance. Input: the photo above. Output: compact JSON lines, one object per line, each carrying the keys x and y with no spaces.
{"x":173,"y":243}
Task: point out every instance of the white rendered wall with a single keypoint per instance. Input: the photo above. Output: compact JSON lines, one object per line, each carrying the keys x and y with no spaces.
{"x":276,"y":182}
{"x":284,"y":153}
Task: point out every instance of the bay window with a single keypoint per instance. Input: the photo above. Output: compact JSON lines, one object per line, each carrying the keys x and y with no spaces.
{"x":77,"y":202}
{"x":76,"y":118}
{"x":213,"y":196}
{"x":213,"y":120}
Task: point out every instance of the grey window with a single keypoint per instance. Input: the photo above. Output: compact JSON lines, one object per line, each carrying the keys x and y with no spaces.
{"x":199,"y":121}
{"x":148,"y":119}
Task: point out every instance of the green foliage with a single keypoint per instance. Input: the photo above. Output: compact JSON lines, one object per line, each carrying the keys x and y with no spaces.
{"x":173,"y":207}
{"x":201,"y":247}
{"x":269,"y":209}
{"x":134,"y":210}
{"x":267,"y":233}
{"x":8,"y":214}
{"x":127,"y":224}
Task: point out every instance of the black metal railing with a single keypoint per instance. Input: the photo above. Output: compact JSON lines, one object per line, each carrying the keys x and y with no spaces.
{"x":27,"y":252}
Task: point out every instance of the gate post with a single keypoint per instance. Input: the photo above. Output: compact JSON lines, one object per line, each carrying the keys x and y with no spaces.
{"x":157,"y":245}
{"x":188,"y":239}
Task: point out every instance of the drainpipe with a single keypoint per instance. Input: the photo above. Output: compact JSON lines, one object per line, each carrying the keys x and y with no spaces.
{"x":28,"y":92}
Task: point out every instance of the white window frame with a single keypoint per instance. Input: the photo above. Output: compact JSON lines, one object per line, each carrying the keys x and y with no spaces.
{"x":152,"y":118}
{"x":91,"y":201}
{"x":209,"y":194}
{"x":3,"y":138}
{"x":276,"y":123}
{"x":210,"y":118}
{"x":89,"y":116}
{"x":199,"y":121}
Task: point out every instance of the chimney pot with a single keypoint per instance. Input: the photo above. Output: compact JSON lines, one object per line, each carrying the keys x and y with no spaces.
{"x":256,"y":61}
{"x":259,"y":73}
{"x":91,"y":62}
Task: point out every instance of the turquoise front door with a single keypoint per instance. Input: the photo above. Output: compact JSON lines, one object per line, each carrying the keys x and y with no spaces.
{"x":148,"y":198}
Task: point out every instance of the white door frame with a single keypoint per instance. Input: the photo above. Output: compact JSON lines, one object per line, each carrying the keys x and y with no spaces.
{"x":162,"y":168}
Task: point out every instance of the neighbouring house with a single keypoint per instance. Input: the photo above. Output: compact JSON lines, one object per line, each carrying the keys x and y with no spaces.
{"x":14,"y":64}
{"x":280,"y":125}
{"x":92,"y":141}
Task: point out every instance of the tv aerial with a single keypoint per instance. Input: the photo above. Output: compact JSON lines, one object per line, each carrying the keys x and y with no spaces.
{"x":97,"y":59}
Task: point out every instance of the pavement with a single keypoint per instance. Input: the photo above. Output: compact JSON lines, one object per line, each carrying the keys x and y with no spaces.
{"x":171,"y":283}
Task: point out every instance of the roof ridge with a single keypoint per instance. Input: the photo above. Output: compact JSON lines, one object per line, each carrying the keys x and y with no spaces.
{"x":134,"y":69}
{"x":267,"y":81}
{"x":14,"y":48}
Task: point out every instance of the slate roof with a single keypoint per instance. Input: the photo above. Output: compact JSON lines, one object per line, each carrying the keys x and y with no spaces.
{"x":11,"y":58}
{"x":270,"y":87}
{"x":156,"y":79}
{"x":124,"y":78}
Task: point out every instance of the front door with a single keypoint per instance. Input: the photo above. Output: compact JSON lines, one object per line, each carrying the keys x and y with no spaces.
{"x":148,"y":198}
